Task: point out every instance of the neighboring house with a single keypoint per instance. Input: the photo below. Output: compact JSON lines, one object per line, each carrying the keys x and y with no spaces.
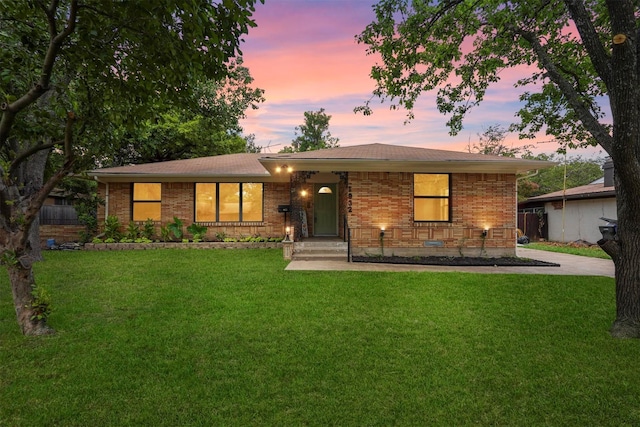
{"x":574,"y":214}
{"x":415,"y":201}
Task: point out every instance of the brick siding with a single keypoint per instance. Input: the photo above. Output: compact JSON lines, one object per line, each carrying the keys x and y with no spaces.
{"x":377,"y":199}
{"x":384,"y":199}
{"x":60,"y":233}
{"x":178,"y":200}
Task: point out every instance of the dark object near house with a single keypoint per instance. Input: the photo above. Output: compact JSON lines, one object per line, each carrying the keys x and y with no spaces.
{"x":284,"y":208}
{"x":609,"y":229}
{"x":523,"y":240}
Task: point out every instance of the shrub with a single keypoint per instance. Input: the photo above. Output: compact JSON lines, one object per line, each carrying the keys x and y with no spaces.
{"x":175,"y":228}
{"x":197,"y":231}
{"x":148,"y":229}
{"x":133,"y":231}
{"x":112,"y":228}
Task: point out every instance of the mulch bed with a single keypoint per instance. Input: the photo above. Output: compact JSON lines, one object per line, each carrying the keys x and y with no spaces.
{"x":456,"y":261}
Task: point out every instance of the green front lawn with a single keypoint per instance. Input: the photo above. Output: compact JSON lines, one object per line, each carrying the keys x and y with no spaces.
{"x":215,"y":337}
{"x":569,"y":248}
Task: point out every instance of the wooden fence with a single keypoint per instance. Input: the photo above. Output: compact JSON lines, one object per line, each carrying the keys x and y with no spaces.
{"x":530,"y":224}
{"x":58,"y":215}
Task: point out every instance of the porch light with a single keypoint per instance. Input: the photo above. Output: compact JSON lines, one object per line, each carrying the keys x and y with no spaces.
{"x":287,"y":238}
{"x":381,"y":232}
{"x":279,"y":169}
{"x":325,"y":190}
{"x":485,"y":232}
{"x":303,"y":193}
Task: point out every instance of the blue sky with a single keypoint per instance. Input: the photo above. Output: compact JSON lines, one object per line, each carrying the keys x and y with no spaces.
{"x":304,"y":55}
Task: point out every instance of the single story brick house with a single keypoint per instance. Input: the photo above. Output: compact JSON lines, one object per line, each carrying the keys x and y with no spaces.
{"x":414,"y":201}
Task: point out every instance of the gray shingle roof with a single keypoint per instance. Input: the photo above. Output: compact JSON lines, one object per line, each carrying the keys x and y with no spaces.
{"x":369,"y":157}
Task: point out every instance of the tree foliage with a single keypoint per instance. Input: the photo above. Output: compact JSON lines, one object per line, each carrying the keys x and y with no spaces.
{"x":578,"y":55}
{"x":73,"y":73}
{"x":492,"y":142}
{"x":208,"y":125}
{"x":578,"y":171}
{"x":313,"y":134}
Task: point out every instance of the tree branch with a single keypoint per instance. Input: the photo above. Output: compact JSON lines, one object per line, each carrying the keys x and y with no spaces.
{"x":35,"y":203}
{"x":583,"y":111}
{"x":590,"y":39}
{"x":611,"y":248}
{"x":9,"y":110}
{"x":29,"y":152}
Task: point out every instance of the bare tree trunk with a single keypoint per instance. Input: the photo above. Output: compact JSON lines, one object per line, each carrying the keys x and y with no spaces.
{"x":22,"y":285}
{"x":625,"y":250}
{"x":32,"y":175}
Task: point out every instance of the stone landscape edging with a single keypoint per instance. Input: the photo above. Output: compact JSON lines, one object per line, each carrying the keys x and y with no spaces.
{"x":180,"y":245}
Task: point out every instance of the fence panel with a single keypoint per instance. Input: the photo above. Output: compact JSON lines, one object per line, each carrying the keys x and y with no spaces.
{"x":58,"y":215}
{"x":533,"y":226}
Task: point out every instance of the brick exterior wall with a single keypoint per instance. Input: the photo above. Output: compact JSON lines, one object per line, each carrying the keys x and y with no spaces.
{"x":60,"y":233}
{"x":369,"y":200}
{"x":178,"y":199}
{"x":382,"y":199}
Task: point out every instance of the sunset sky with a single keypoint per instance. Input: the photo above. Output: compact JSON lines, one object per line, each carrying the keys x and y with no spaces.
{"x":304,"y":55}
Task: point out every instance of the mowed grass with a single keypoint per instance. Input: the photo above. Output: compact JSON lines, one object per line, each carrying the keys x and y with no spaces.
{"x":568,"y":248}
{"x":215,"y":337}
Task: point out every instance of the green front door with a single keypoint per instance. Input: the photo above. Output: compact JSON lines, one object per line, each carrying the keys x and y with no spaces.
{"x":325,"y":210}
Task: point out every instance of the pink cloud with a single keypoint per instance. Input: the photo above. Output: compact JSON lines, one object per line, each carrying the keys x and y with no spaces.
{"x":304,"y":54}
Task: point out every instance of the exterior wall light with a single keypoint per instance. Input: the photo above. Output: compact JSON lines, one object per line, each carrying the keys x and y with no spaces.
{"x":381,"y":232}
{"x":279,"y":169}
{"x":485,"y":232}
{"x":303,"y":193}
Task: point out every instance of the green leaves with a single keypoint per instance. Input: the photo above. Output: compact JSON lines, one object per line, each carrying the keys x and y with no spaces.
{"x":314,"y":133}
{"x":460,"y":48}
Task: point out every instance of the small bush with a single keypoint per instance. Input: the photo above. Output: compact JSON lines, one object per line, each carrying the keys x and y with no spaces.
{"x":175,"y":228}
{"x":112,"y":228}
{"x":148,"y":229}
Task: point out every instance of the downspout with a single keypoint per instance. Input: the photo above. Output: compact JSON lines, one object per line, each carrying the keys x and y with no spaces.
{"x":106,"y":196}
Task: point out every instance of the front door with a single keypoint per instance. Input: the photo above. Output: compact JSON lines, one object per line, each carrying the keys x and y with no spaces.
{"x":325,"y":210}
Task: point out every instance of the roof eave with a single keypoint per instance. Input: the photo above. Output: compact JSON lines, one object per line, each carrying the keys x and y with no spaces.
{"x":180,"y":177}
{"x":368,"y":165}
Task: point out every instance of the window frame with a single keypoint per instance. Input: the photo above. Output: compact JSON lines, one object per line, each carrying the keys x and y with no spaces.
{"x":145,"y":201}
{"x":217,"y":203}
{"x":449,"y":199}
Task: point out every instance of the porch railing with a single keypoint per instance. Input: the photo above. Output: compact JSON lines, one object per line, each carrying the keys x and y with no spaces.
{"x":346,"y":232}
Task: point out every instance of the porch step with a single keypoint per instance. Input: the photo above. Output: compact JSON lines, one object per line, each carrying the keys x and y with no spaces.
{"x":320,"y":251}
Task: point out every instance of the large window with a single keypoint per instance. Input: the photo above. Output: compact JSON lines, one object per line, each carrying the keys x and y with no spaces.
{"x":146,"y":201}
{"x":431,"y":197}
{"x":229,"y":202}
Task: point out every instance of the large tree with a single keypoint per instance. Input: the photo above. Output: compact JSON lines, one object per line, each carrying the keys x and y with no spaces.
{"x":313,"y":133}
{"x":75,"y":70}
{"x":578,"y":54}
{"x":208,"y":126}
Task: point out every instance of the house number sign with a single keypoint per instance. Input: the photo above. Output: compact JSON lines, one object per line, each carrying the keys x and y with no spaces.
{"x":349,"y":197}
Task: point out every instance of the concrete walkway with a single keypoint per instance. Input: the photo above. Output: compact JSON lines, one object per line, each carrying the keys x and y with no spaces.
{"x":572,"y":265}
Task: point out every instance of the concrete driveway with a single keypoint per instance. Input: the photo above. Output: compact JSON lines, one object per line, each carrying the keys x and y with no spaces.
{"x":571,"y":265}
